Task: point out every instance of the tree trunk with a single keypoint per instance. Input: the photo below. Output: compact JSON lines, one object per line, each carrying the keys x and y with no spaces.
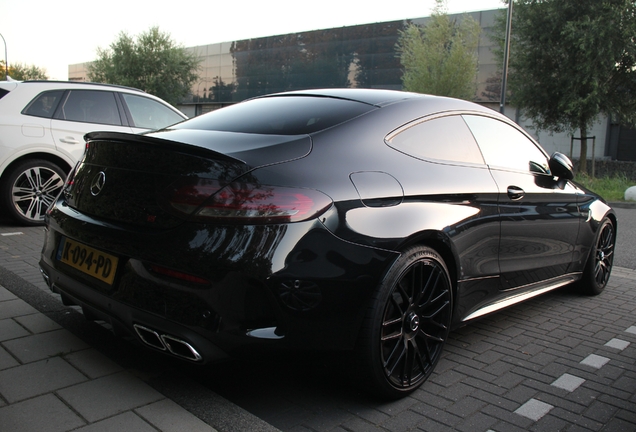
{"x":583,"y":157}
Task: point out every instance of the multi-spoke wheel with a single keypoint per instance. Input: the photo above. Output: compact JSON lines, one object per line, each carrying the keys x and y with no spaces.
{"x":599,"y":264}
{"x":408,"y":324}
{"x":30,"y":188}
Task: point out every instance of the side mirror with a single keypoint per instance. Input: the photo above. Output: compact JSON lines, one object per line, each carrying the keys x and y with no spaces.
{"x":561,"y":166}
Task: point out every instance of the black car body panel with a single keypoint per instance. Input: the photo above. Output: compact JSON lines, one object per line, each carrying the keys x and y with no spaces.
{"x":204,"y":258}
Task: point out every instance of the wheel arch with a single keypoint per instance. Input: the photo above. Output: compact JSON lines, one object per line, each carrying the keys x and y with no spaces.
{"x":442,"y":244}
{"x":61,"y":162}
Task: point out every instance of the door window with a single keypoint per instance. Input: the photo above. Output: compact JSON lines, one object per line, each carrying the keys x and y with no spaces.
{"x":91,"y":106}
{"x":150,"y":114}
{"x":505,"y":147}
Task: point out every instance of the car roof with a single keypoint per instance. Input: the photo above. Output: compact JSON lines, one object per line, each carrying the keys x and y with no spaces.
{"x":378,"y":97}
{"x":43,"y":84}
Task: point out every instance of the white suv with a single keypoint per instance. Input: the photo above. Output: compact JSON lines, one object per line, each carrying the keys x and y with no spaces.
{"x":42,"y":128}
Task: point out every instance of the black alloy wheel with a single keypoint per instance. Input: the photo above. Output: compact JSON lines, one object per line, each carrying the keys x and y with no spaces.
{"x":30,"y":189}
{"x":408,"y":324}
{"x":599,"y":264}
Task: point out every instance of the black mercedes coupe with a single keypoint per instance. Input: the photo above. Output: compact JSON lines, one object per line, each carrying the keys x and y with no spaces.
{"x":373,"y":221}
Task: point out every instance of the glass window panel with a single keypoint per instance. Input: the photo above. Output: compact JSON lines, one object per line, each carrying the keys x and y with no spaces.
{"x":442,"y":139}
{"x":503,"y":146}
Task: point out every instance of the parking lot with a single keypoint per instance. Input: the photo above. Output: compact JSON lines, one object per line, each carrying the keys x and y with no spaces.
{"x":558,"y":362}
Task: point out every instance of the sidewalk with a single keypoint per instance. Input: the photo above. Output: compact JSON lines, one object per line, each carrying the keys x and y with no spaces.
{"x":50,"y":380}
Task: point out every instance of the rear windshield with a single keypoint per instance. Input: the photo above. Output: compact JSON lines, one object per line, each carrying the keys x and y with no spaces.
{"x":280,"y":115}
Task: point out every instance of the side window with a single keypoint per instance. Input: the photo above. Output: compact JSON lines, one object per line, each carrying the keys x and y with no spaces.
{"x":503,"y":146}
{"x":443,"y":139}
{"x":44,"y":104}
{"x":91,"y":106}
{"x":150,"y":114}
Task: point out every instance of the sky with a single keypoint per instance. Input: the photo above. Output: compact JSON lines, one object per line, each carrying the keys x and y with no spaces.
{"x":52,"y":34}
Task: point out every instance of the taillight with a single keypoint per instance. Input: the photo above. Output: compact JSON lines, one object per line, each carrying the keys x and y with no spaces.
{"x":241,"y":202}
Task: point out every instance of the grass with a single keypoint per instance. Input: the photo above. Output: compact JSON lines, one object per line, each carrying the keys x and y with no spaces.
{"x":610,"y":188}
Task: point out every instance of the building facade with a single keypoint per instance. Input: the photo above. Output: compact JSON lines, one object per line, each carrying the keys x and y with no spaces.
{"x":361,"y":56}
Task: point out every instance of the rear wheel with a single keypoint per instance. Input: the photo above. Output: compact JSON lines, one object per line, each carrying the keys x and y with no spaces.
{"x":30,"y":188}
{"x":408,"y":323}
{"x":599,"y":263}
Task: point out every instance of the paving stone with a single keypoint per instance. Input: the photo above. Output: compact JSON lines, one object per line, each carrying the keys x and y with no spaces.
{"x":44,"y":413}
{"x":360,"y":425}
{"x":33,"y":379}
{"x":38,"y":323}
{"x":631,"y":330}
{"x":10,"y":329}
{"x":617,"y":343}
{"x":534,"y":409}
{"x":127,"y":421}
{"x":466,"y":406}
{"x":595,"y":361}
{"x":15,"y":308}
{"x":5,"y":294}
{"x":167,"y":416}
{"x":7,"y":360}
{"x":110,"y":395}
{"x":568,"y":382}
{"x":92,"y":363}
{"x":44,"y":345}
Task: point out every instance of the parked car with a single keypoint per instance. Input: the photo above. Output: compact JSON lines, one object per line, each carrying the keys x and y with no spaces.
{"x":349,"y":219}
{"x":42,"y":124}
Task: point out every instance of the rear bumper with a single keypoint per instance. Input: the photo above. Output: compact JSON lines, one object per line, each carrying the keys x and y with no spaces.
{"x":126,"y":321}
{"x":294,"y":286}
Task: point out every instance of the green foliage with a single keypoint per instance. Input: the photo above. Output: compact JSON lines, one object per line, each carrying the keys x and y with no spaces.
{"x":612,"y":189}
{"x":571,"y":60}
{"x":22,"y":72}
{"x":152,"y":62}
{"x":441,"y":57}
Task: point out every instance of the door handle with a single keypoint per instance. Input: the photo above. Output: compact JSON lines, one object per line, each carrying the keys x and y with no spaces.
{"x":69,"y":140}
{"x":515,"y":193}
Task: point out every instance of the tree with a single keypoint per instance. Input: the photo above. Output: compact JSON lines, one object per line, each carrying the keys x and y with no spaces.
{"x":22,"y":72}
{"x":441,"y":57}
{"x":152,"y":62}
{"x":571,"y":60}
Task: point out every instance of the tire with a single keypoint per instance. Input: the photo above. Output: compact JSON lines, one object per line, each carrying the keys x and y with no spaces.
{"x":407,"y":325}
{"x":30,"y":188}
{"x":599,"y":263}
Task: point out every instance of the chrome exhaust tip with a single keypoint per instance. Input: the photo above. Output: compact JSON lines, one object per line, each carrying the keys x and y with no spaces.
{"x":149,"y":337}
{"x":164,"y":342}
{"x":47,"y":278}
{"x":181,"y":348}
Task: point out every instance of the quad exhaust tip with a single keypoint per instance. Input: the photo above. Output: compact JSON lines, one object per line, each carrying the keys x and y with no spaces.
{"x":164,"y":342}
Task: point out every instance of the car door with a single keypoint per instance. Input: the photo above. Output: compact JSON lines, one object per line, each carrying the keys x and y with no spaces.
{"x":83,"y":111}
{"x":539,"y":215}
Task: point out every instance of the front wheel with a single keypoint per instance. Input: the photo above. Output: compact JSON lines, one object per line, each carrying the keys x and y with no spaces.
{"x":407,"y":324}
{"x":30,"y":188}
{"x":599,"y":263}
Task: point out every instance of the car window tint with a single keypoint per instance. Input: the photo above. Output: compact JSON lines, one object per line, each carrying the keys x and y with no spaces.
{"x":503,"y":146}
{"x":445,"y":138}
{"x":283,"y":115}
{"x":44,"y":104}
{"x":3,"y":92}
{"x":150,"y":114}
{"x":91,"y":106}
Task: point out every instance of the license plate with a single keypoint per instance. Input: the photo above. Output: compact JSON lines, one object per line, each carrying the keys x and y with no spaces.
{"x":88,"y":260}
